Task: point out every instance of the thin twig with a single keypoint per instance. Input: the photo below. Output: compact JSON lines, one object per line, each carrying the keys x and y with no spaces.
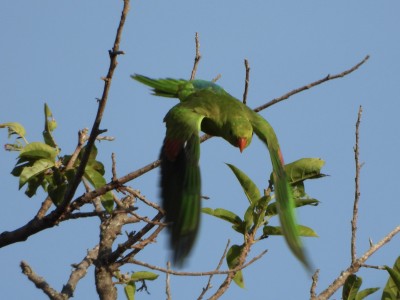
{"x":209,"y":286}
{"x":197,"y":57}
{"x":207,"y":273}
{"x":167,"y":282}
{"x":82,"y":138}
{"x":373,"y":267}
{"x":249,"y":241}
{"x":310,"y":85}
{"x":140,"y":246}
{"x":147,"y":220}
{"x":353,"y":246}
{"x":142,"y":198}
{"x":216,"y":78}
{"x":132,"y":240}
{"x":314,"y":285}
{"x":114,"y":167}
{"x":95,"y":201}
{"x":46,"y":204}
{"x":99,"y":116}
{"x":247,"y":80}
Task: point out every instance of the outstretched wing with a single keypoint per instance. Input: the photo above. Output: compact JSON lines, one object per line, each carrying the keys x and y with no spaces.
{"x":283,"y":191}
{"x":180,"y":179}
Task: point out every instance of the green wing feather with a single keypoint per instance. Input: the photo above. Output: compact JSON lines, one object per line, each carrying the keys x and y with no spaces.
{"x":283,"y":191}
{"x":178,"y":88}
{"x":167,"y":87}
{"x":181,"y":181}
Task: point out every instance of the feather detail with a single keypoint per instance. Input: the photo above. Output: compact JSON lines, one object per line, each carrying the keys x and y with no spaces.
{"x":172,"y":147}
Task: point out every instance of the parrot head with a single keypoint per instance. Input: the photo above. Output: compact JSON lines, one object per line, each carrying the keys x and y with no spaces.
{"x":240,"y":133}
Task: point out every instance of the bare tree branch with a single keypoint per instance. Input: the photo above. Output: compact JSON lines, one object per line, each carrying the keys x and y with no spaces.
{"x":209,"y":286}
{"x":39,"y":282}
{"x":356,"y":263}
{"x":82,"y":138}
{"x":311,"y":85}
{"x":353,"y":246}
{"x":197,"y":57}
{"x":132,"y":240}
{"x":79,"y":272}
{"x":206,"y":273}
{"x":168,"y":283}
{"x":314,"y":285}
{"x":247,"y":80}
{"x":339,"y":281}
{"x":46,"y":204}
{"x":110,"y":228}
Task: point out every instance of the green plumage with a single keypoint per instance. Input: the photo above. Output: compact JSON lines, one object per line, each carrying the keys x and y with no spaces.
{"x":208,"y":107}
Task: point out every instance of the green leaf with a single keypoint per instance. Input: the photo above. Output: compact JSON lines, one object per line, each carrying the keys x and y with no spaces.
{"x":260,"y":209}
{"x":277,"y":230}
{"x":232,"y":258}
{"x":33,"y":185}
{"x":94,"y":177}
{"x":49,"y":125}
{"x":249,"y":217}
{"x":38,"y":167}
{"x":223,"y":214}
{"x":272,"y":211}
{"x":97,"y":180}
{"x":351,"y":287}
{"x":299,"y":190}
{"x":130,"y":290}
{"x":249,"y":187}
{"x":92,"y":155}
{"x":107,"y":200}
{"x":19,"y":168}
{"x":57,"y":192}
{"x":144,"y":275}
{"x":15,"y":128}
{"x":365,"y":293}
{"x":38,"y":150}
{"x":392,"y":287}
{"x":394,"y":275}
{"x":303,"y":169}
{"x":96,"y":165}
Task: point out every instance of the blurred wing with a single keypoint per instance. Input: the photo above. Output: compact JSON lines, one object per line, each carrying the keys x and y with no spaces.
{"x":180,"y":179}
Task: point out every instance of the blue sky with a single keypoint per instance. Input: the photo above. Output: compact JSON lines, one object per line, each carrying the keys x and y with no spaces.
{"x":56,"y":52}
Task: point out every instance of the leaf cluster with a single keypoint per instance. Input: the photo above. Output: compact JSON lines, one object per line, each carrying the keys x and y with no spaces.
{"x":40,"y":164}
{"x":261,"y":209}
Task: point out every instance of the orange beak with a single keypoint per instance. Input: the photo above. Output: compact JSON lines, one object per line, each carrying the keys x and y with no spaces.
{"x":242,"y":143}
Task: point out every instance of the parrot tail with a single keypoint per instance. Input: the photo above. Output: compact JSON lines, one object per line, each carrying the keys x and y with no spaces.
{"x":286,"y":208}
{"x":181,"y":195}
{"x":162,"y":87}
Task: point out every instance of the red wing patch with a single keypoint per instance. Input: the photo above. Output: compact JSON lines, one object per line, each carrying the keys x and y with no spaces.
{"x":281,"y":157}
{"x":172,"y":147}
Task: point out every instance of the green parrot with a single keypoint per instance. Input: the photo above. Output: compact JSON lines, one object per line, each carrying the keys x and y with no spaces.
{"x":208,"y":107}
